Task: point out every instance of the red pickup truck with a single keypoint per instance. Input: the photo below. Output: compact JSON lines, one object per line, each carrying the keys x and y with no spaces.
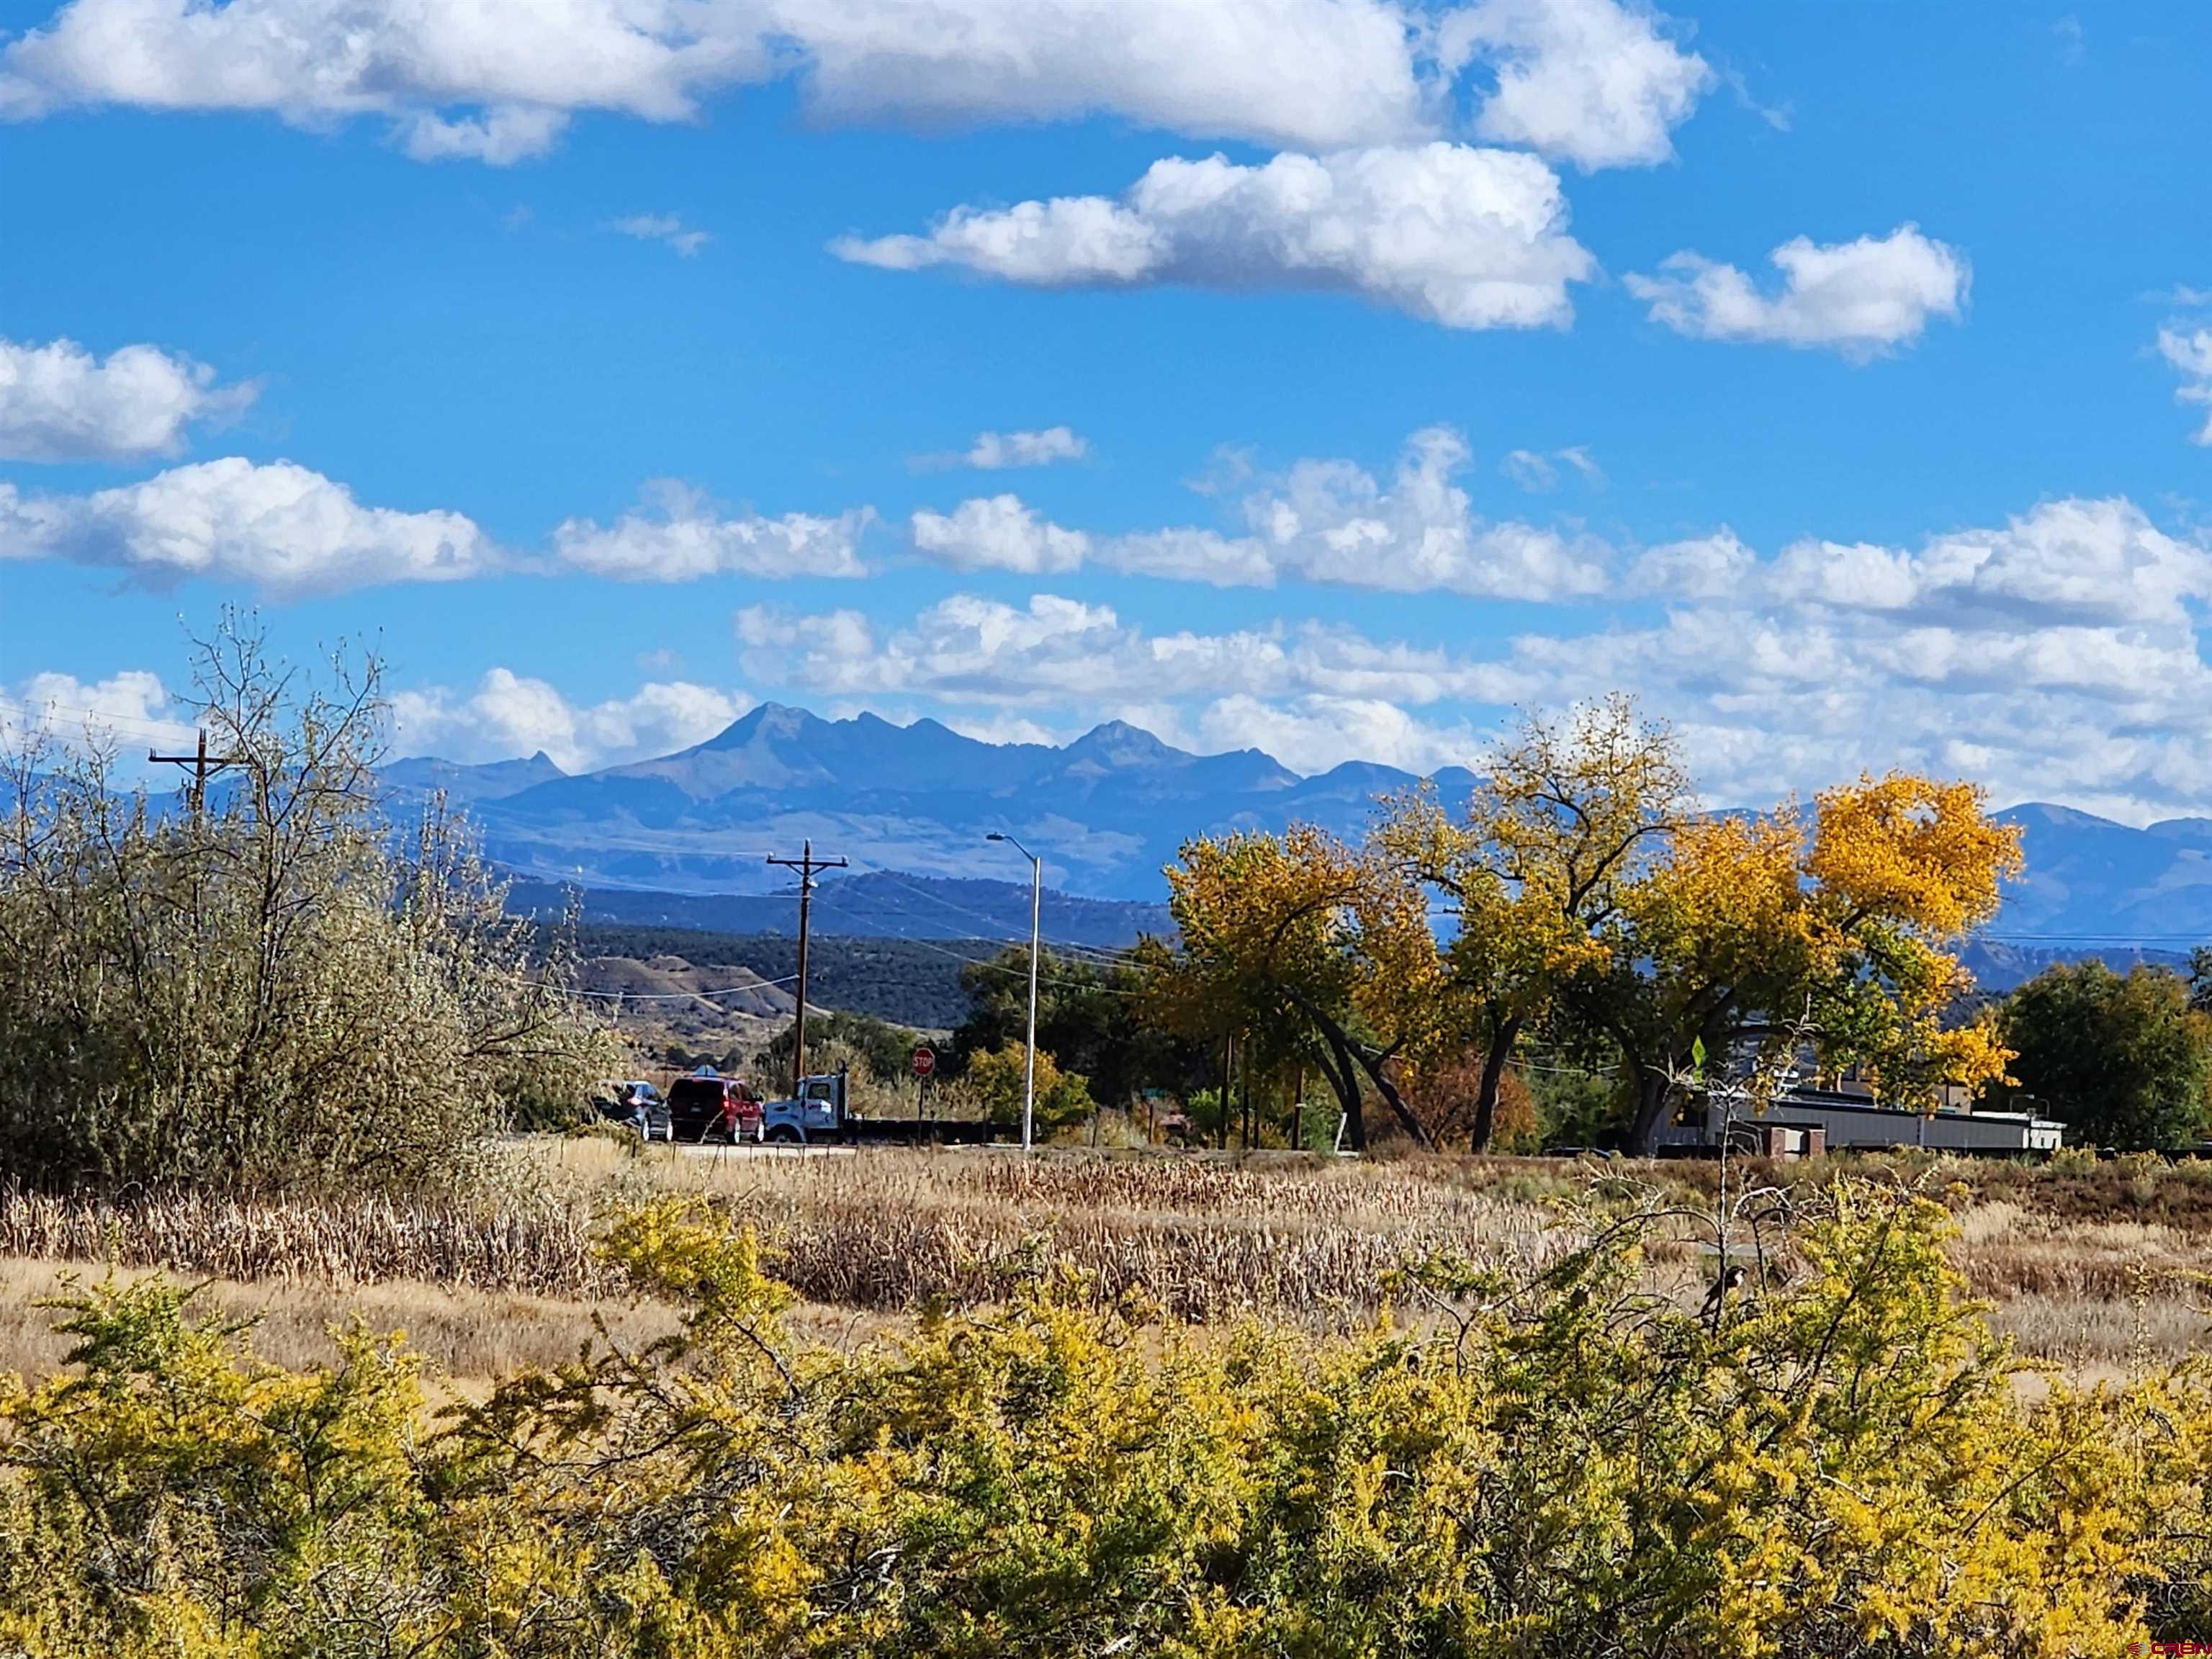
{"x":706,"y":1106}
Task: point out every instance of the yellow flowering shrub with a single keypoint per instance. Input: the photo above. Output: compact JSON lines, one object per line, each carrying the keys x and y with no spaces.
{"x":1563,"y":1465}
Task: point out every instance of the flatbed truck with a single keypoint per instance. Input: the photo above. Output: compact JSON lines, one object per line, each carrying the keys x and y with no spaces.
{"x":820,"y":1116}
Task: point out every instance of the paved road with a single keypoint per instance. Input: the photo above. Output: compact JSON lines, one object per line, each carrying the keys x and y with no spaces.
{"x":722,"y":1149}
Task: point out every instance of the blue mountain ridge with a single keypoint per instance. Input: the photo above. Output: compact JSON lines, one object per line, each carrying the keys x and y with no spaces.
{"x":1106,"y":811}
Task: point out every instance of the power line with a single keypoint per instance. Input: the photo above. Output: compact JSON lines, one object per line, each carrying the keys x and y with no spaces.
{"x":1097,"y":952}
{"x":830,"y":899}
{"x":45,"y":711}
{"x":989,"y":966}
{"x":679,"y":996}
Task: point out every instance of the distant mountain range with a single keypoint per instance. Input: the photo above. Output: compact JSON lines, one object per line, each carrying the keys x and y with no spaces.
{"x":867,"y":906}
{"x":1105,"y":812}
{"x":910,"y":807}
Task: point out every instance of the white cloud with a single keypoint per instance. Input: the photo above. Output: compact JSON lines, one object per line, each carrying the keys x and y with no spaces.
{"x":999,"y":534}
{"x":1293,"y":72}
{"x":500,"y":137}
{"x":2054,"y":655}
{"x":509,"y":713}
{"x":968,"y":650}
{"x":1590,"y":81}
{"x":2065,"y":562}
{"x":1005,"y":728}
{"x":1467,"y":238}
{"x":661,"y":228}
{"x":1323,"y":520}
{"x":496,"y":80}
{"x":1702,"y":568}
{"x":680,"y":536}
{"x":1192,"y":555}
{"x":1336,"y":522}
{"x":281,"y":527}
{"x":1862,"y":298}
{"x":60,"y":403}
{"x":1596,"y":82}
{"x":1540,"y":473}
{"x":994,"y":450}
{"x":1312,"y":734}
{"x":2189,"y":350}
{"x":129,"y":712}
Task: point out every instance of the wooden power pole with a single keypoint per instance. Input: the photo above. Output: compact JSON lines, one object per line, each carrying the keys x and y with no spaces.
{"x":202,"y":765}
{"x":806,"y":864}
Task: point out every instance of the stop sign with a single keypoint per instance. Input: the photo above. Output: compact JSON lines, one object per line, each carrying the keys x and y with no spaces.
{"x":925,"y":1061}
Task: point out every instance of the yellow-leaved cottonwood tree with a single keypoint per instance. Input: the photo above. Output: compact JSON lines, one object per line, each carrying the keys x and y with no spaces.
{"x":1305,"y":949}
{"x":1584,"y":888}
{"x":1570,"y":816}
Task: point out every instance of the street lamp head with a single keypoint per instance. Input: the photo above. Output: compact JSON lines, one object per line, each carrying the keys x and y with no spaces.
{"x":994,"y":835}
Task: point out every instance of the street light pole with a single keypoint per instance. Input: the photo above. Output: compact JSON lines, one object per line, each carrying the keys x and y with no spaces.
{"x":1029,"y":1052}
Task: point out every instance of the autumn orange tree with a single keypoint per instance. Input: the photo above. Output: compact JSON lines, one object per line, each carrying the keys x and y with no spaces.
{"x":1570,"y":816}
{"x":1848,"y":915}
{"x":1306,"y":948}
{"x":1587,"y":893}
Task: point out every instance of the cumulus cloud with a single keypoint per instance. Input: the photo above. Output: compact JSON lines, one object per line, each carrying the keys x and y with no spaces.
{"x":1701,"y":568}
{"x":2063,"y":562}
{"x":1323,"y":520}
{"x":281,"y":527}
{"x":999,"y":534}
{"x":1595,"y":82}
{"x":498,"y":138}
{"x":1468,"y":238}
{"x":497,"y":81}
{"x":678,"y":535}
{"x":664,"y":227}
{"x":60,"y":403}
{"x":1312,"y":734}
{"x":2189,"y":350}
{"x":968,"y":649}
{"x":508,"y":713}
{"x":1334,"y":521}
{"x":1312,"y":697}
{"x":2055,"y":654}
{"x":1589,"y":81}
{"x":1861,"y":298}
{"x":128,"y":712}
{"x":994,"y":450}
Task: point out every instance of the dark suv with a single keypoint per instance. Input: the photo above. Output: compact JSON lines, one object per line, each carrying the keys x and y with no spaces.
{"x":637,"y":1104}
{"x":712,"y":1107}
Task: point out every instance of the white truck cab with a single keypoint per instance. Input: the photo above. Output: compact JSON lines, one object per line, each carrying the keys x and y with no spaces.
{"x":817,"y":1115}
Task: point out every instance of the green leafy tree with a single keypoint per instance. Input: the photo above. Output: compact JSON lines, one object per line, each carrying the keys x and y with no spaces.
{"x":2122,"y":1060}
{"x":885,"y":1050}
{"x":999,"y":1080}
{"x":1085,"y":1018}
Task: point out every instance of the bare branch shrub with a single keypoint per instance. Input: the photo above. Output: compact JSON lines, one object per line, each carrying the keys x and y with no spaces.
{"x":251,"y":986}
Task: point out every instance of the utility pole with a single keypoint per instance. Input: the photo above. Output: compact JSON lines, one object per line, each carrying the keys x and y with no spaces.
{"x":202,"y":765}
{"x":806,"y":864}
{"x":1037,"y":915}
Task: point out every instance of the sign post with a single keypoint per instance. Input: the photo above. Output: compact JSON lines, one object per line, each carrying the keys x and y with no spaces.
{"x":925,"y":1063}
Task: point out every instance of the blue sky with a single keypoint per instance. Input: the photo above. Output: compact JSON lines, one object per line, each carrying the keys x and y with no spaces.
{"x":614,"y":365}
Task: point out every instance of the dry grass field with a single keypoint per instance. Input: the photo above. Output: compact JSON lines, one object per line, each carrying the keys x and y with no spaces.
{"x":2095,"y":1268}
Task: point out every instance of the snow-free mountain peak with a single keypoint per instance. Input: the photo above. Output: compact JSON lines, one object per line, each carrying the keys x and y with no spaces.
{"x":1106,"y":811}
